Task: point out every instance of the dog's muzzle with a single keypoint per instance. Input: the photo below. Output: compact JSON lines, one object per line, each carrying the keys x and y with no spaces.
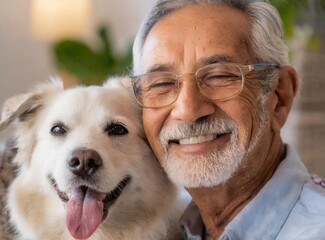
{"x":86,"y":207}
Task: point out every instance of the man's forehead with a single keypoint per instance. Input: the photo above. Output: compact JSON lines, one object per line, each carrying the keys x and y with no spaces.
{"x":205,"y":12}
{"x":190,"y":26}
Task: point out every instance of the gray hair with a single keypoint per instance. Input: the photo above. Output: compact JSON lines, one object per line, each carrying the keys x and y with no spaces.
{"x":266,"y":41}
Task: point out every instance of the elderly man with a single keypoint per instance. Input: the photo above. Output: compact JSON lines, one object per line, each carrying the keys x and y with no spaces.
{"x":216,"y":89}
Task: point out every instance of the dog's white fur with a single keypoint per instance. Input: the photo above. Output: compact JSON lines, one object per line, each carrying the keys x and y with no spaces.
{"x":148,"y":208}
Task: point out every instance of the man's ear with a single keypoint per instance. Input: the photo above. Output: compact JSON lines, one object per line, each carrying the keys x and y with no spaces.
{"x":284,"y":91}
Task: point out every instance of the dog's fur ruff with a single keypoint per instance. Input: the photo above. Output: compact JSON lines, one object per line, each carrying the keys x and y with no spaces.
{"x":7,"y":174}
{"x":106,"y":120}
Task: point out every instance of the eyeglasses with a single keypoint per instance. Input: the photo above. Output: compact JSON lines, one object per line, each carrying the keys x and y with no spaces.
{"x":219,"y":82}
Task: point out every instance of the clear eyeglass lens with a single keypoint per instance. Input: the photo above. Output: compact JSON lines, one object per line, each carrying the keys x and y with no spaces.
{"x":220,"y":81}
{"x":216,"y":81}
{"x":156,"y":89}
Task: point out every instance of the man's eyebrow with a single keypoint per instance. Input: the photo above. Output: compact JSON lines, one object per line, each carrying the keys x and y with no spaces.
{"x":159,"y":68}
{"x":215,"y":59}
{"x":203,"y":62}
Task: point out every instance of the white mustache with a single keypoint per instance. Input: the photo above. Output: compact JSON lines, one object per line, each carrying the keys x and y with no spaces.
{"x":209,"y":125}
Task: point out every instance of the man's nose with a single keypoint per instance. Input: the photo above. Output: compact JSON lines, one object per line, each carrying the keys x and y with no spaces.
{"x":191,"y":104}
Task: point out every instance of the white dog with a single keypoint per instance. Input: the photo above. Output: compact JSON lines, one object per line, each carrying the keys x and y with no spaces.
{"x":86,"y":170}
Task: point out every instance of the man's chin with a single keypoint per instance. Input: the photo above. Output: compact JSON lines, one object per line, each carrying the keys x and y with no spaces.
{"x":202,"y":171}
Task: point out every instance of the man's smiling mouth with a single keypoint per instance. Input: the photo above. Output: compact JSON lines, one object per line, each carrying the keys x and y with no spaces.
{"x":197,"y":139}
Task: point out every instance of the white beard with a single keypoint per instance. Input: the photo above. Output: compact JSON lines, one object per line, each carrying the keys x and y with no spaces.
{"x":210,"y":169}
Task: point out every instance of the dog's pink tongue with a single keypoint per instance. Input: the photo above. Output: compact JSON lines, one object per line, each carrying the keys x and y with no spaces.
{"x":84,"y":212}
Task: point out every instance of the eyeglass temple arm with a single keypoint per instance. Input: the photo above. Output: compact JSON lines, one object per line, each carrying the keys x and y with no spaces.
{"x":260,"y":66}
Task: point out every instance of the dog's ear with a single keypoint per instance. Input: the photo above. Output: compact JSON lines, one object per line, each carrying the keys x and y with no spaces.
{"x":17,"y":108}
{"x":124,"y":85}
{"x":23,"y":106}
{"x":19,"y":115}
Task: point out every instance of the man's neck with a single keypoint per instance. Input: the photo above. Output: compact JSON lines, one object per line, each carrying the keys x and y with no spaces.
{"x":220,"y":204}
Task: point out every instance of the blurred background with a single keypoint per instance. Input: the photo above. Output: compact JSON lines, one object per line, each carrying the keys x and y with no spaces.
{"x":83,"y":41}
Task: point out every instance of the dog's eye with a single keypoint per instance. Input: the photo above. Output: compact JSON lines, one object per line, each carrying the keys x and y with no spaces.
{"x":58,"y":130}
{"x":116,"y":129}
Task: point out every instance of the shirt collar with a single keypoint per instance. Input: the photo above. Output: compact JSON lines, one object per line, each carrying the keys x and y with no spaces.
{"x":264,"y":216}
{"x":192,"y":224}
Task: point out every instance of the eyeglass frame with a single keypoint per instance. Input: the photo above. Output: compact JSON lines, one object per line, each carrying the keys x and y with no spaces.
{"x":244,"y":69}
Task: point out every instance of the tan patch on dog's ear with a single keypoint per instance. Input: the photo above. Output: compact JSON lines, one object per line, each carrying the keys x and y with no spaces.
{"x":12,"y":104}
{"x":15,"y":108}
{"x":22,"y":105}
{"x":19,"y":113}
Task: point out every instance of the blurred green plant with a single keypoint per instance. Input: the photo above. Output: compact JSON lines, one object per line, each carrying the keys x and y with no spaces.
{"x":91,"y":66}
{"x":289,"y":11}
{"x":294,"y":11}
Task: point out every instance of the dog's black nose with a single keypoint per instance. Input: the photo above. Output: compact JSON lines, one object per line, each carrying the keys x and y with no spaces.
{"x":84,"y":162}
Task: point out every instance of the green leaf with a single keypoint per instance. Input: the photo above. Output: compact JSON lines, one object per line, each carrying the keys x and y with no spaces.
{"x":314,"y":43}
{"x":90,"y":66}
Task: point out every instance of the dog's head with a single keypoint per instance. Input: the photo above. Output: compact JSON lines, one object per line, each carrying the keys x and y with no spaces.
{"x":85,"y":146}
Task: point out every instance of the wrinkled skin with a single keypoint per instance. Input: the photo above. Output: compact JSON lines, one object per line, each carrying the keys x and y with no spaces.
{"x":182,"y":42}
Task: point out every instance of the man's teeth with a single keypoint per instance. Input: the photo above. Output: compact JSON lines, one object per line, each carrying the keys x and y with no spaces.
{"x":196,"y":140}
